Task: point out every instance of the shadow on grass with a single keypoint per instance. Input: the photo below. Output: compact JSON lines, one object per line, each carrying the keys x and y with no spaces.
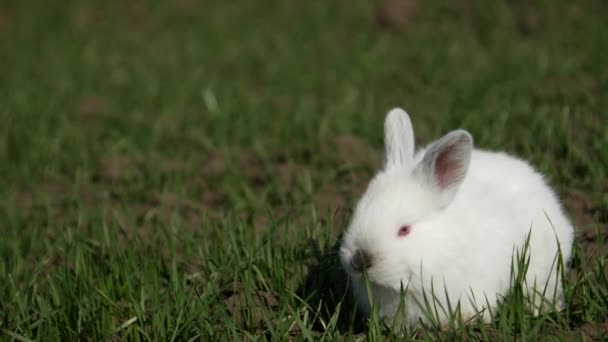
{"x":327,"y":293}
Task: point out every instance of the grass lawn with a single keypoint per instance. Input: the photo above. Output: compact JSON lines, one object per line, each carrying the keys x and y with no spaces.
{"x":183,"y":169}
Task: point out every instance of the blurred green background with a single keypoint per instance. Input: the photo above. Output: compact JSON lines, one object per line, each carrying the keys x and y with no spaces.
{"x":164,"y":146}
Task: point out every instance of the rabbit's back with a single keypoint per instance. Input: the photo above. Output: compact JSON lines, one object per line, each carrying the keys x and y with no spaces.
{"x":504,"y":200}
{"x":508,"y":187}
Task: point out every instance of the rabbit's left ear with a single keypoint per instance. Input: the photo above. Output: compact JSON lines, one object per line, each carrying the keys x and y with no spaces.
{"x":445,"y":165}
{"x":398,"y":138}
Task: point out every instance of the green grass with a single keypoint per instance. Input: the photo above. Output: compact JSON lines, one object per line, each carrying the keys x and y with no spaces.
{"x":177,"y":170}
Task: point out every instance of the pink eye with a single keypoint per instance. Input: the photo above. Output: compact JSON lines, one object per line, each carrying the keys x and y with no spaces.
{"x":404,"y":230}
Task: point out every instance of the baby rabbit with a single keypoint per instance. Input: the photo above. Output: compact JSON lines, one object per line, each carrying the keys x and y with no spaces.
{"x":447,"y":223}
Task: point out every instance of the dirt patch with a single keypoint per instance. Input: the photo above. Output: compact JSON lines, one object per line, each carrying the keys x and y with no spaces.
{"x":331,"y":200}
{"x":248,"y":311}
{"x":91,"y":107}
{"x":287,"y":173}
{"x":334,"y":210}
{"x":596,"y":330}
{"x":204,"y":197}
{"x":173,"y":201}
{"x":133,"y":15}
{"x":584,"y":211}
{"x":23,"y":201}
{"x":6,"y":20}
{"x":54,"y":198}
{"x":261,"y":223}
{"x":527,"y":21}
{"x":185,"y":5}
{"x":214,"y":166}
{"x":252,"y":167}
{"x":593,"y":331}
{"x":116,"y":168}
{"x":395,"y":15}
{"x":279,"y":215}
{"x":206,"y":180}
{"x":87,"y":16}
{"x":136,"y":15}
{"x":593,"y":244}
{"x":50,"y":195}
{"x":213,"y":199}
{"x":282,"y":103}
{"x":354,"y":150}
{"x":585,"y":215}
{"x":106,"y":194}
{"x":275,"y":169}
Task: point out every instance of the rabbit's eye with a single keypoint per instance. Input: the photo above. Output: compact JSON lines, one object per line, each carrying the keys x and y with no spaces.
{"x":404,"y":230}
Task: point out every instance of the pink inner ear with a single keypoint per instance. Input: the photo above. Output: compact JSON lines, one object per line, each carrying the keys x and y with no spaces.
{"x":447,"y":166}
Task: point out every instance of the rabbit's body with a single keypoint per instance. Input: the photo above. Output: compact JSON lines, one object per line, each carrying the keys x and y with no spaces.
{"x":459,"y":243}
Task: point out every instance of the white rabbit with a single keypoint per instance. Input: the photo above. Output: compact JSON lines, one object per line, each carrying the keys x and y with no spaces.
{"x":446,"y":222}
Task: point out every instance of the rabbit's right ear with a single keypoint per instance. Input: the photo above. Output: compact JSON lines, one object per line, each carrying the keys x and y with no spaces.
{"x":398,"y":139}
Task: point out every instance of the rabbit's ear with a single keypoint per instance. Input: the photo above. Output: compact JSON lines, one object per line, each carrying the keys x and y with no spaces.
{"x":398,"y":138}
{"x":445,"y":164}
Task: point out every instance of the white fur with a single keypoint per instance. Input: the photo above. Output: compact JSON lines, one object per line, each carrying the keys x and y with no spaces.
{"x":464,"y":242}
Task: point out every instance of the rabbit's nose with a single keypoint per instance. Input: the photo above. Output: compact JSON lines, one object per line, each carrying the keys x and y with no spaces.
{"x":361,"y":260}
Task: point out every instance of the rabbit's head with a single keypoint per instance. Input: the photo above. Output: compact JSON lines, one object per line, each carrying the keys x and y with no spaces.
{"x":389,"y":233}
